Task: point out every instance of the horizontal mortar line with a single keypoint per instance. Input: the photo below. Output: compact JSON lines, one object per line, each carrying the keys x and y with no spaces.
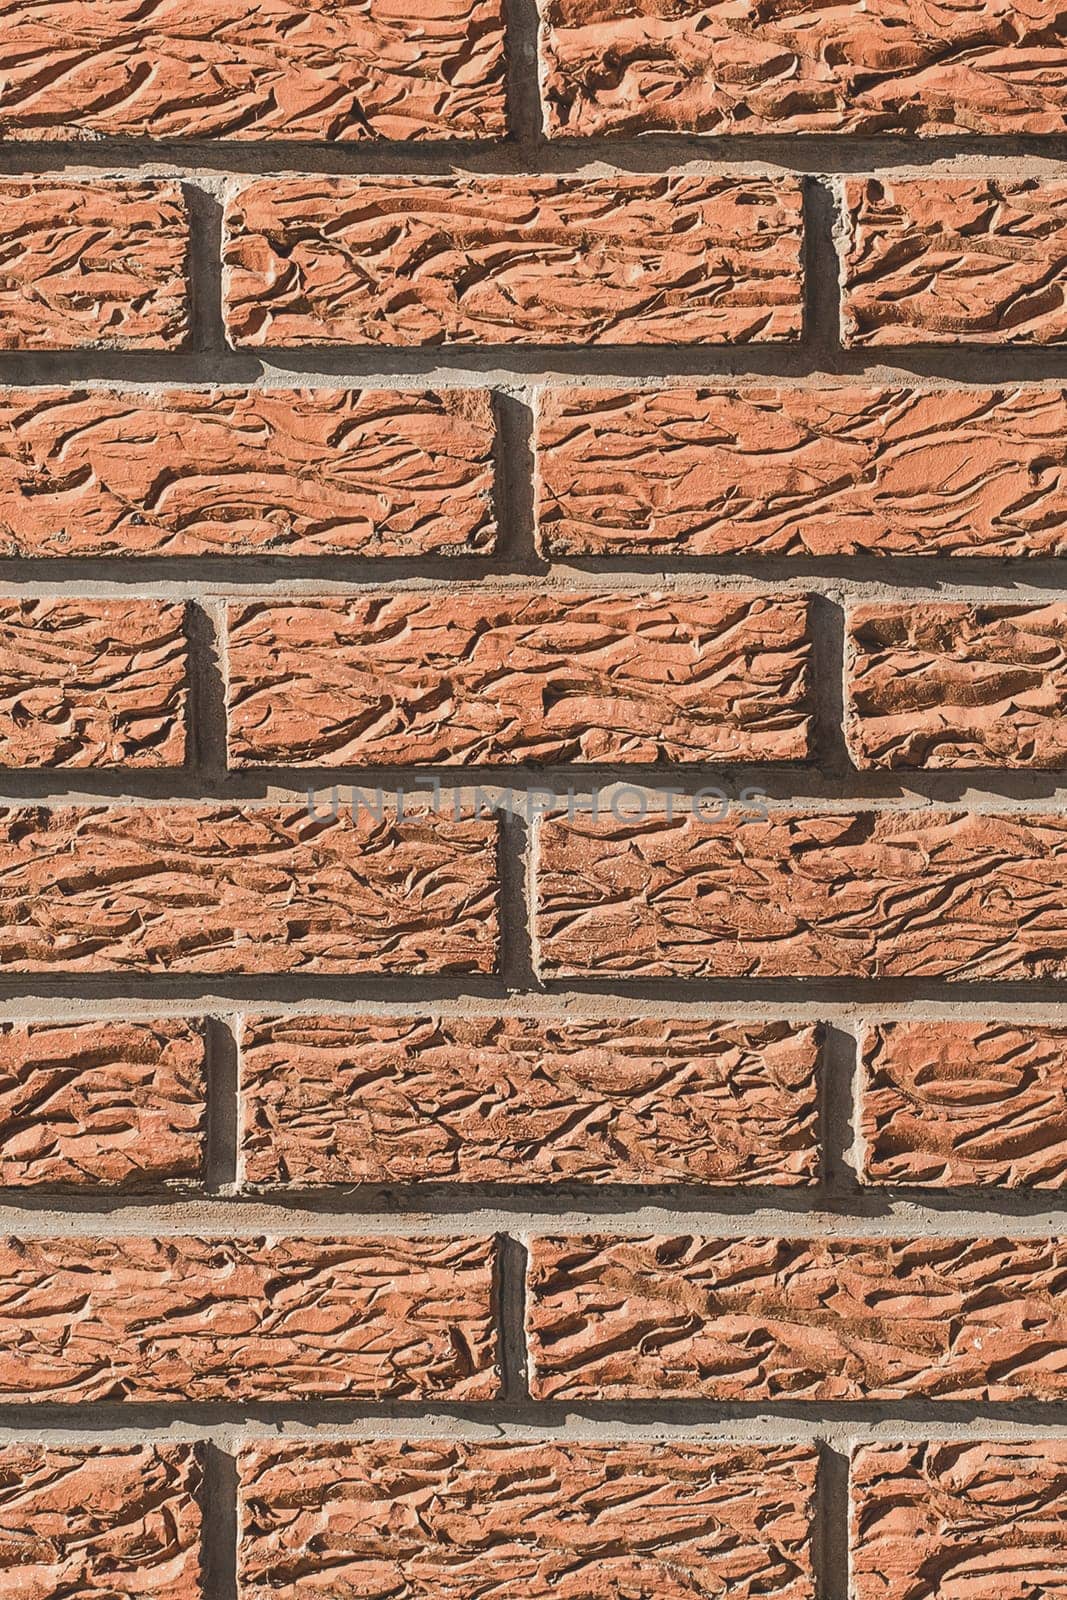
{"x":384,"y":367}
{"x":519,"y":1205}
{"x":253,"y":371}
{"x":277,"y":578}
{"x":869,"y":992}
{"x":782,"y":1419}
{"x":273,"y":157}
{"x":680,"y":792}
{"x":557,"y":1005}
{"x":270,"y":990}
{"x":229,"y":1217}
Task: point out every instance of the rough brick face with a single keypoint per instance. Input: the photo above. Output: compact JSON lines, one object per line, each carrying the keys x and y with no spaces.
{"x":246,"y":1319}
{"x":963,"y":1103}
{"x":518,"y":676}
{"x":821,"y":1319}
{"x":960,"y":1521}
{"x":233,"y":889}
{"x":92,"y":265}
{"x":533,"y":714}
{"x":941,"y":261}
{"x":102,"y":1103}
{"x":445,"y":1520}
{"x":541,"y":261}
{"x":789,"y":471}
{"x":958,"y":686}
{"x":340,"y":1100}
{"x":296,"y":69}
{"x":313,"y":472}
{"x":891,"y":66}
{"x":88,"y":683}
{"x":893,"y":894}
{"x":115,"y":1522}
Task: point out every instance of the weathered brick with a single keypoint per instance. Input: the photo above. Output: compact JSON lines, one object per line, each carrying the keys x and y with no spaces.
{"x":98,"y":265}
{"x":678,"y":259}
{"x":313,"y":472}
{"x":946,"y":261}
{"x":891,"y":66}
{"x":114,"y":1522}
{"x":296,"y":69}
{"x":963,"y":1520}
{"x":475,"y":677}
{"x":965,"y":1103}
{"x":799,"y":472}
{"x":245,"y":888}
{"x":342,"y":1100}
{"x":92,"y":683}
{"x":892,"y":894}
{"x":185,"y":1319}
{"x":445,"y":1520}
{"x":777,"y":1319}
{"x":108,"y":1102}
{"x":958,"y":685}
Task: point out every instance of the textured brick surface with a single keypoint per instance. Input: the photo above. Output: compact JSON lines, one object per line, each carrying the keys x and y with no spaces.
{"x":115,"y":1522}
{"x":941,"y":261}
{"x":962,"y":1103}
{"x":823,"y":471}
{"x":517,"y":1100}
{"x":549,"y":261}
{"x":826,"y":1319}
{"x":293,"y":69}
{"x":92,"y":683}
{"x":313,"y":472}
{"x":92,"y":265}
{"x":960,"y":1521}
{"x":958,"y":686}
{"x":891,"y":66}
{"x":892,"y":894}
{"x":390,"y":431}
{"x":246,"y":1319}
{"x":230,"y":889}
{"x":85,"y":1104}
{"x":441,"y":1520}
{"x":518,"y":676}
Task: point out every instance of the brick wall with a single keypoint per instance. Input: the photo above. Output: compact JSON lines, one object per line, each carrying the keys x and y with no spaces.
{"x":654,"y":1187}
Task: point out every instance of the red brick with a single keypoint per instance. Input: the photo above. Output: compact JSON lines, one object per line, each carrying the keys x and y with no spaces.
{"x":92,"y":683}
{"x":97,"y":265}
{"x":891,"y":66}
{"x":955,"y":686}
{"x":102,"y":1103}
{"x":893,"y":894}
{"x":294,"y":69}
{"x":778,"y":1319}
{"x":230,"y":472}
{"x":946,"y":261}
{"x":963,"y":1520}
{"x":245,"y":889}
{"x":185,"y":1319}
{"x":476,"y":677}
{"x":954,"y":1104}
{"x":445,"y":1520}
{"x":802,"y":472}
{"x":343,"y":1100}
{"x":678,"y":259}
{"x":114,"y":1522}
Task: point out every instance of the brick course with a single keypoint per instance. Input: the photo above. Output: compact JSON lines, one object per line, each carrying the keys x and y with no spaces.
{"x":656,"y":1188}
{"x":228,"y":472}
{"x":557,"y":1521}
{"x":541,"y":261}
